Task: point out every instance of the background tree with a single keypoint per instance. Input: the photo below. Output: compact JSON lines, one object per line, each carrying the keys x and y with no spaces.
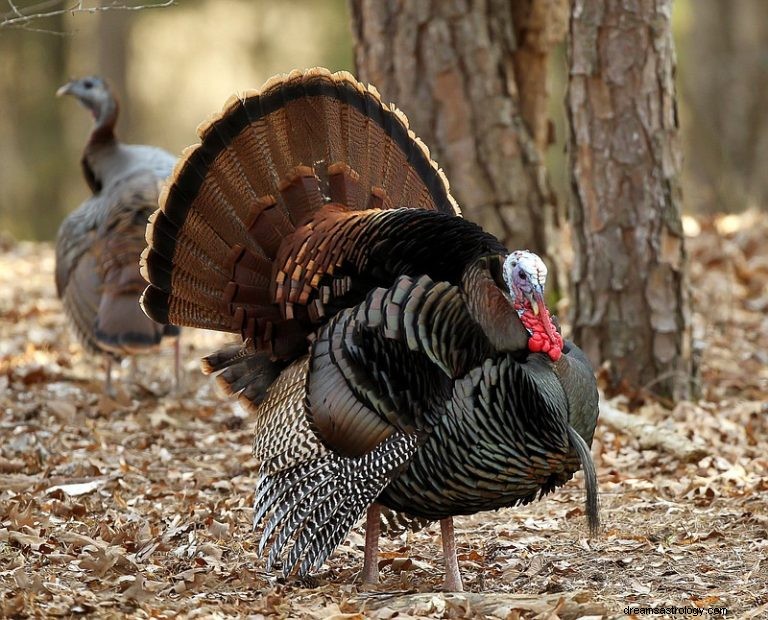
{"x":723,"y":81}
{"x":630,"y":296}
{"x":32,"y":207}
{"x":112,"y":37}
{"x":471,"y":77}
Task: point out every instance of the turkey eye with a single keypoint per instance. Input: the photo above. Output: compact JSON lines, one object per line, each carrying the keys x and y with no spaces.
{"x":523,"y":276}
{"x":88,"y":84}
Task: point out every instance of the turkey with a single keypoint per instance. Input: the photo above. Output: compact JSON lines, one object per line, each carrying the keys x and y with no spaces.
{"x":99,"y":244}
{"x":393,"y":354}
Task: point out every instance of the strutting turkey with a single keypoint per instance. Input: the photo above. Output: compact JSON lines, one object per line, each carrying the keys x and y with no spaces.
{"x":99,"y":244}
{"x":393,"y":353}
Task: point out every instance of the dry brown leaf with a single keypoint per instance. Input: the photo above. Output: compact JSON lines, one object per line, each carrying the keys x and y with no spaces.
{"x":62,"y":408}
{"x":137,"y":591}
{"x":78,"y":488}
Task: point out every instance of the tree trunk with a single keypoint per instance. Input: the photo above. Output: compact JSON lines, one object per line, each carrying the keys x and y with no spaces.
{"x":631,"y":305}
{"x":726,"y":136}
{"x":113,"y":36}
{"x":471,"y":77}
{"x":33,"y":145}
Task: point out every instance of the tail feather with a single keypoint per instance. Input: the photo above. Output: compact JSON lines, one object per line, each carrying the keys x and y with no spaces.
{"x":243,"y":372}
{"x":344,"y":186}
{"x":204,"y":256}
{"x":161,"y":307}
{"x":301,"y":193}
{"x":590,"y":480}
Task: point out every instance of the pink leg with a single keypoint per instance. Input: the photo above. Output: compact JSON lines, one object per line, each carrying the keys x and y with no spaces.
{"x":372,"y":529}
{"x":108,"y":376}
{"x":133,"y":372}
{"x":177,"y":364}
{"x":452,"y":574}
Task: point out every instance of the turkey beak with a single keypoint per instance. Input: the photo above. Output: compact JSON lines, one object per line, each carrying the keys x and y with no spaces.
{"x":64,"y":90}
{"x":536,"y":297}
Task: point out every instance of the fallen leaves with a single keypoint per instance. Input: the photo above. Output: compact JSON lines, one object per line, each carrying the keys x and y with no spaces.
{"x":140,"y":505}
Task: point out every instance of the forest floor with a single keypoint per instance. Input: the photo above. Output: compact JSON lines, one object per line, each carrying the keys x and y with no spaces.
{"x":140,"y":506}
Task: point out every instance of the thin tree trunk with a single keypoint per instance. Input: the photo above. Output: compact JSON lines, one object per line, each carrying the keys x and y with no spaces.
{"x":726,"y":136}
{"x":113,"y":35}
{"x":33,"y":145}
{"x":631,"y":306}
{"x":471,"y":77}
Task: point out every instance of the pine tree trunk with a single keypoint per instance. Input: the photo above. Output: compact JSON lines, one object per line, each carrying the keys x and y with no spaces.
{"x":631,"y":307}
{"x":471,"y":77}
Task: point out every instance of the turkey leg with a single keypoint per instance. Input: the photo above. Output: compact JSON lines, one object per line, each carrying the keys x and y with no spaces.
{"x":133,"y":370}
{"x":177,"y":365}
{"x":108,"y":376}
{"x":452,"y":574}
{"x":372,"y":530}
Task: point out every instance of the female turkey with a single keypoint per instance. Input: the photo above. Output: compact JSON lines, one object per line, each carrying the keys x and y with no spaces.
{"x":394,"y":353}
{"x":98,"y":245}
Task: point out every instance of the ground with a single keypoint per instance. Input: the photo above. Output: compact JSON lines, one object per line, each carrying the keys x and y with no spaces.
{"x":139,"y":506}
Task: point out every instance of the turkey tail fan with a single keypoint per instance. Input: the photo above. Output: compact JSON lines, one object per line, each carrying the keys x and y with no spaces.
{"x":590,"y":480}
{"x":264,"y":165}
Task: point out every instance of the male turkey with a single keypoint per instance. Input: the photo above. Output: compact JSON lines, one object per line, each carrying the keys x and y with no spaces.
{"x":99,"y":244}
{"x":394,"y":353}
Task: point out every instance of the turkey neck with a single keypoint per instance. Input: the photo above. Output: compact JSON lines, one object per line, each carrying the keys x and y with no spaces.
{"x":103,"y":131}
{"x":491,"y":308}
{"x":101,"y":141}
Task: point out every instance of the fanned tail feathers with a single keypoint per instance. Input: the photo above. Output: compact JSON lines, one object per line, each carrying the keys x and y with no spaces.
{"x":269,"y":161}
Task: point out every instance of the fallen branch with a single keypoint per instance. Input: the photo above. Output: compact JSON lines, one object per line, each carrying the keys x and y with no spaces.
{"x":652,"y":436}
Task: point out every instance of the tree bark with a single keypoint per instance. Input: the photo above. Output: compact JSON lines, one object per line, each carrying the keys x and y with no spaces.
{"x":471,"y":77}
{"x":631,"y":304}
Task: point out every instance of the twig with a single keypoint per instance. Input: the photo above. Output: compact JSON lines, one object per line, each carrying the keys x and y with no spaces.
{"x":17,"y":19}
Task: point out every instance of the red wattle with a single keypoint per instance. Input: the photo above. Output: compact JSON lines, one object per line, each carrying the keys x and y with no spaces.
{"x":544,"y":338}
